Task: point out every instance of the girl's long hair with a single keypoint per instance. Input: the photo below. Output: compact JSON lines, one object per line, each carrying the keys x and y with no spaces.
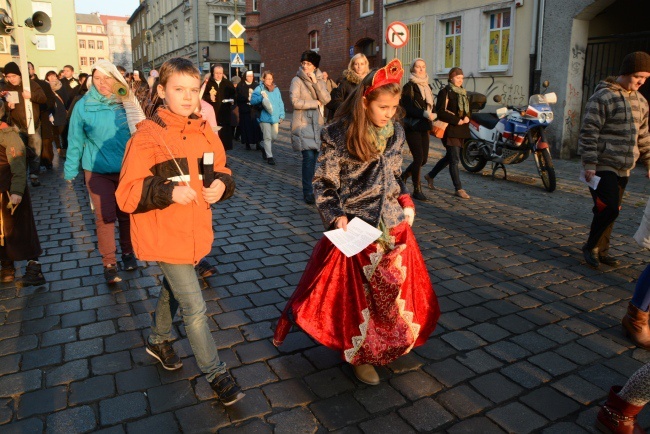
{"x":356,"y":122}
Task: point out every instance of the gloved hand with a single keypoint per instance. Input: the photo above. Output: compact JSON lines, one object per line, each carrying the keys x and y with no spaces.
{"x":409,"y":214}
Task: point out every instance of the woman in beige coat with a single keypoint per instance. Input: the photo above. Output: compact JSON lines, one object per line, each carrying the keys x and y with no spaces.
{"x":308,"y":93}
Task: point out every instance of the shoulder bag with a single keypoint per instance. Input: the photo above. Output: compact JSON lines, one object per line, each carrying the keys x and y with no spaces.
{"x":439,"y":127}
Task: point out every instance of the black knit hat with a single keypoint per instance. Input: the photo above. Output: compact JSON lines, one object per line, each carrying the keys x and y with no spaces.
{"x":12,"y":68}
{"x":311,"y":57}
{"x":638,"y":61}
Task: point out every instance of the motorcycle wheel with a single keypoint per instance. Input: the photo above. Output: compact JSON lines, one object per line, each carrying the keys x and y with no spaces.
{"x":545,"y":169}
{"x":472,"y":163}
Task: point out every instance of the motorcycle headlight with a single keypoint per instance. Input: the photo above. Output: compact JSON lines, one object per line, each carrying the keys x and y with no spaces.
{"x":541,"y":117}
{"x":549,"y":116}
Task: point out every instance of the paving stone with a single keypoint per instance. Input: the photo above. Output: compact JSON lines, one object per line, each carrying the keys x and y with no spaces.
{"x":579,"y":389}
{"x":515,"y":324}
{"x":18,"y":345}
{"x":601,"y":376}
{"x":553,"y":363}
{"x":56,"y":337}
{"x":42,"y":402}
{"x":92,"y":389}
{"x":288,"y":394}
{"x":463,"y":401}
{"x":160,"y":424}
{"x":562,"y":428}
{"x":206,"y":417}
{"x":9,"y":364}
{"x":473,"y":425}
{"x":415,"y":385}
{"x":525,"y":374}
{"x":73,"y":420}
{"x":533,"y":342}
{"x":171,"y":396}
{"x":123,"y":341}
{"x":254,"y":404}
{"x":39,"y":358}
{"x":624,"y":365}
{"x":379,"y":398}
{"x":122,"y":408}
{"x":516,"y":418}
{"x":257,"y":331}
{"x":291,"y":366}
{"x":90,"y":331}
{"x":32,"y":425}
{"x":434,"y":349}
{"x":293,"y":421}
{"x":463,"y":340}
{"x":253,"y":375}
{"x":550,"y":403}
{"x":20,"y":382}
{"x":256,"y":351}
{"x":489,"y":332}
{"x":426,"y":415}
{"x":496,"y":387}
{"x":255,"y":426}
{"x":449,"y":372}
{"x":231,"y":319}
{"x":389,"y":423}
{"x":83,"y":349}
{"x":40,"y":325}
{"x":507,"y":351}
{"x":63,"y":308}
{"x":329,"y":382}
{"x":338,"y":411}
{"x":112,"y":312}
{"x":227,"y":338}
{"x":137,"y":379}
{"x":577,"y":354}
{"x":601,"y":345}
{"x":111,"y":363}
{"x":479,"y":361}
{"x":67,"y":373}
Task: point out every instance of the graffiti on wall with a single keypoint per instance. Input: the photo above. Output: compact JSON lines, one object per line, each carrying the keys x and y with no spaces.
{"x":511,"y":94}
{"x":578,"y":59}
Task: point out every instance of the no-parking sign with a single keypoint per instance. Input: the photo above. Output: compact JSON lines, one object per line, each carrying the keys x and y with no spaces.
{"x":397,"y":34}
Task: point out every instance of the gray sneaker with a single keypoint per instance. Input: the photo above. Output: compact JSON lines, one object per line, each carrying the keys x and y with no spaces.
{"x":165,"y":354}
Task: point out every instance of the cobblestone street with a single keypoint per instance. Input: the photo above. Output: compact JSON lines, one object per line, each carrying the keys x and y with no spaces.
{"x":529,"y":339}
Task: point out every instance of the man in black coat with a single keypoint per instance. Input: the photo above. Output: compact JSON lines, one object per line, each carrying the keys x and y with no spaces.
{"x":220,"y":93}
{"x":69,"y":90}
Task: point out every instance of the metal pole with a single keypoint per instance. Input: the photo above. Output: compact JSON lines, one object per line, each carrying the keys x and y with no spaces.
{"x":19,"y":34}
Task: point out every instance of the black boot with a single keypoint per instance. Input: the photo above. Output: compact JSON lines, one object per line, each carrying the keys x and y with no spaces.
{"x":417,"y":192}
{"x":591,"y":256}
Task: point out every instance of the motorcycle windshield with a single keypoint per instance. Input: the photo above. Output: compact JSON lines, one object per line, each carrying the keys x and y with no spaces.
{"x":537,"y":100}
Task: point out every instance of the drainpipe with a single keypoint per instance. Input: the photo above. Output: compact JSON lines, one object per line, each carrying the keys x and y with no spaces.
{"x":540,"y":34}
{"x":196,"y":25}
{"x":533,"y":48}
{"x":383,"y":30}
{"x":348,"y":24}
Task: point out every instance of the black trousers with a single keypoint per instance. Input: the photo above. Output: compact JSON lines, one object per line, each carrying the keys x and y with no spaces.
{"x":607,"y":204}
{"x":451,"y":158}
{"x":418,"y":142}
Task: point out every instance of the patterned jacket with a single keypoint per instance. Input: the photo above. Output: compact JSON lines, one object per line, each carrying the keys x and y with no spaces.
{"x":345,"y":185}
{"x":614,"y":131}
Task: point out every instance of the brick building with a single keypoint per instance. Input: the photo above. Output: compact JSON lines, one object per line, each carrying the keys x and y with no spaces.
{"x":280,"y":30}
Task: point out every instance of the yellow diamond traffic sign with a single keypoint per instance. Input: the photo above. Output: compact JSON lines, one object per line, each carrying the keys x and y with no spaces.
{"x":236,"y":45}
{"x":236,"y":29}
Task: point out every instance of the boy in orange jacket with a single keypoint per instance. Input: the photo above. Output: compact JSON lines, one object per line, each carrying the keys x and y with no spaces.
{"x":162,"y":187}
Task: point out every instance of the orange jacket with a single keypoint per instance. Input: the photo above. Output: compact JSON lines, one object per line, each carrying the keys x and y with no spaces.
{"x":162,"y":230}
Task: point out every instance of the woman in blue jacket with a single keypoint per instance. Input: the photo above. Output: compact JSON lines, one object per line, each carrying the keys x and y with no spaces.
{"x":272,"y":113}
{"x":97,"y":136}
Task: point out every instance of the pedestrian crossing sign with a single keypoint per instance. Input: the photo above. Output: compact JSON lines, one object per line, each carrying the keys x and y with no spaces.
{"x":236,"y":45}
{"x":236,"y":60}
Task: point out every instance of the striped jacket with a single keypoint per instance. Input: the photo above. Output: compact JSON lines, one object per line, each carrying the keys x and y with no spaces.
{"x":614,"y":132}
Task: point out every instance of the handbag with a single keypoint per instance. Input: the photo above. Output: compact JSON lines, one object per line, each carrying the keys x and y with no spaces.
{"x":439,"y":127}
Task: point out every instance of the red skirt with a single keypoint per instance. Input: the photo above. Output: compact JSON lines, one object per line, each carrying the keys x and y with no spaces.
{"x":373,"y":307}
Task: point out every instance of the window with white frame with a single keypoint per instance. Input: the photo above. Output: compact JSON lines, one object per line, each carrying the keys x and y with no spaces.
{"x":91,"y":60}
{"x":91,"y":44}
{"x":413,"y":49}
{"x":5,"y":45}
{"x":498,"y":39}
{"x":43,"y":7}
{"x":78,"y":28}
{"x":221,"y":28}
{"x":45,"y":42}
{"x":100,"y":45}
{"x":82,"y":43}
{"x":453,"y":34}
{"x":188,"y":31}
{"x":367,"y":7}
{"x":313,"y":40}
{"x":254,"y":5}
{"x":84,"y":61}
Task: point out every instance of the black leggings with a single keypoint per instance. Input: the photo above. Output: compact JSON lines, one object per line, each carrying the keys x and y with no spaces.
{"x":451,"y":158}
{"x":418,"y":142}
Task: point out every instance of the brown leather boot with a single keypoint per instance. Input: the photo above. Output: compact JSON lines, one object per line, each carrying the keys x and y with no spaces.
{"x":618,"y":416}
{"x":635,"y":323}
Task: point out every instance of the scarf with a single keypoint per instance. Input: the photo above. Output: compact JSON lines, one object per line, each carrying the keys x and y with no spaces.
{"x":56,"y":85}
{"x":463,"y":102}
{"x":380,"y":135}
{"x":425,"y":90}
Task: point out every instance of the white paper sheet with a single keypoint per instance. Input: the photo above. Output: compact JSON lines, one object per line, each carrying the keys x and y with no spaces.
{"x":12,"y":96}
{"x":358,"y":236}
{"x":594,"y":180}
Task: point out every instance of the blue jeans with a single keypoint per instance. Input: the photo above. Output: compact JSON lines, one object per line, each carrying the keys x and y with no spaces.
{"x":641,"y":297}
{"x":308,"y":168}
{"x":181,"y":289}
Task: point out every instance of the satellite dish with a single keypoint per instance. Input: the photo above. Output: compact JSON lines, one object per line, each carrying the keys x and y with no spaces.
{"x":39,"y":21}
{"x":6,"y":24}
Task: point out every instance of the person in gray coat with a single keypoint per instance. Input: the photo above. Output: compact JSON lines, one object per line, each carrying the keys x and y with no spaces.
{"x":309,"y":95}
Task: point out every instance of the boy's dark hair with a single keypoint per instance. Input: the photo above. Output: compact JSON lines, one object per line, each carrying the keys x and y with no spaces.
{"x":69,"y":66}
{"x":51,"y":73}
{"x":177,"y":65}
{"x":121,"y":68}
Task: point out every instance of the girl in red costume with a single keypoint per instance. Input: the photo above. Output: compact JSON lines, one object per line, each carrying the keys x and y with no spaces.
{"x":377,"y":305}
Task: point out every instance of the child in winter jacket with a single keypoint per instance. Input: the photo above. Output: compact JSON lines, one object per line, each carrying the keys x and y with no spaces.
{"x":162,"y":187}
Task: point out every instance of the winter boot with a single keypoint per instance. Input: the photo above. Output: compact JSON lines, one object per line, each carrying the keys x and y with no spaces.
{"x":635,"y":323}
{"x":417,"y":192}
{"x":618,"y":416}
{"x":33,"y":275}
{"x":8,"y":272}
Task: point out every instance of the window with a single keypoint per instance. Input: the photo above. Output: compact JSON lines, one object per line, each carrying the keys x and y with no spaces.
{"x":100,"y":45}
{"x":242,"y":20}
{"x":189,"y":32}
{"x":43,"y":7}
{"x":452,"y":43}
{"x":84,"y":61}
{"x":367,"y":7}
{"x":92,"y":60}
{"x":89,"y":29}
{"x":91,"y":45}
{"x":5,"y":44}
{"x":82,"y":43}
{"x":78,"y":28}
{"x":45,"y":42}
{"x":220,"y":27}
{"x":413,"y":49}
{"x":367,"y":47}
{"x":254,"y":5}
{"x":313,"y":40}
{"x":499,"y":39}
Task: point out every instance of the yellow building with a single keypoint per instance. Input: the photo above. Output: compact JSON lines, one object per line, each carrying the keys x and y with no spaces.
{"x":6,"y":40}
{"x":92,"y":41}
